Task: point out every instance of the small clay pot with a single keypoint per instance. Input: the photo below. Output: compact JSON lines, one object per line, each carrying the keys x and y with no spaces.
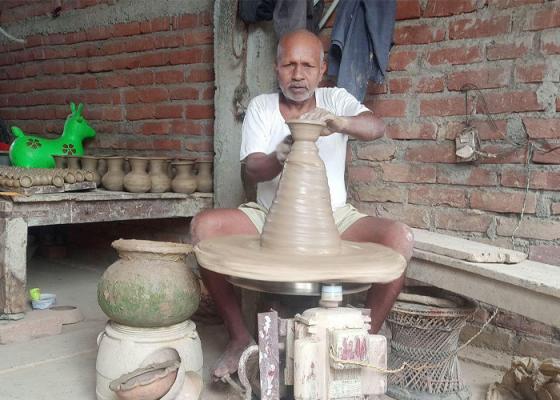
{"x":148,"y":383}
{"x":113,"y":178}
{"x":89,"y":163}
{"x":204,"y":180}
{"x":184,"y":181}
{"x":161,"y":182}
{"x":137,"y":180}
{"x":59,"y":161}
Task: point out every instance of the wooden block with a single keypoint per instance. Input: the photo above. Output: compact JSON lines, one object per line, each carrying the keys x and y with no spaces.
{"x":464,"y":249}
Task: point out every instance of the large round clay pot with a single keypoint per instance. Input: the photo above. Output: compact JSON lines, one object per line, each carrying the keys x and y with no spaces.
{"x":137,"y":180}
{"x":184,"y":181}
{"x":113,"y":178}
{"x":204,"y":178}
{"x":161,"y":182}
{"x":150,"y":285}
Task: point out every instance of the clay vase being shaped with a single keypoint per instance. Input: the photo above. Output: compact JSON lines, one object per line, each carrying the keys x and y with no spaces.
{"x":150,"y":285}
{"x":113,"y":178}
{"x":204,"y":180}
{"x":89,"y":163}
{"x":137,"y":180}
{"x":161,"y":182}
{"x":184,"y":181}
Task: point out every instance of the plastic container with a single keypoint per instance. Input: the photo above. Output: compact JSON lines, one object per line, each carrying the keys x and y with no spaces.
{"x":45,"y":301}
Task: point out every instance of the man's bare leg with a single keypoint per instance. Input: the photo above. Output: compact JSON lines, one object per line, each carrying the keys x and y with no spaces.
{"x":393,"y":234}
{"x":210,"y":224}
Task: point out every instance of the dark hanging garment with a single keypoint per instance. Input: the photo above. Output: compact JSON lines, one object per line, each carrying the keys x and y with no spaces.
{"x":291,"y":15}
{"x":251,"y":11}
{"x":360,"y":43}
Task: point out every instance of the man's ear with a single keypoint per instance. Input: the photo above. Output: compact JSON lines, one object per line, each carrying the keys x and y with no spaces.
{"x":323,"y":67}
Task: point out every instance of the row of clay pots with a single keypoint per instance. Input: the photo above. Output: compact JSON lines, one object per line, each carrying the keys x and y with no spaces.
{"x":16,"y":177}
{"x":110,"y":172}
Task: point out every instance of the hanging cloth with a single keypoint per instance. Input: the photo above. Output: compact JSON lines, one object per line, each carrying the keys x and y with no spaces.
{"x":291,"y":15}
{"x":360,"y":42}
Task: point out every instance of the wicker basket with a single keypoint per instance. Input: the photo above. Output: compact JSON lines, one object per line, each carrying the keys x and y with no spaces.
{"x":427,"y":335}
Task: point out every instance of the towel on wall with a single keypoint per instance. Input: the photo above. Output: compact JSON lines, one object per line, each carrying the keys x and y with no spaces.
{"x":360,"y":42}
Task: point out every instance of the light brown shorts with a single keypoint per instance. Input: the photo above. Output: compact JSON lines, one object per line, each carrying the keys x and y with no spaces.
{"x":344,"y":216}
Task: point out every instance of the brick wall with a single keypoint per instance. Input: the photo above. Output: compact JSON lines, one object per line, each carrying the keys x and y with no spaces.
{"x":147,"y":85}
{"x":510,"y":49}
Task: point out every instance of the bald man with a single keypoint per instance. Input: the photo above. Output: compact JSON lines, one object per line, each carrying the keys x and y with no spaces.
{"x":264,"y":147}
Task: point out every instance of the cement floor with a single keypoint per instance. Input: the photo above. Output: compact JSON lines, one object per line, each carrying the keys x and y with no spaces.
{"x":62,"y":367}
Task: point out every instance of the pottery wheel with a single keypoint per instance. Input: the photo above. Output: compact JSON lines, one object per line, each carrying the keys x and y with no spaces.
{"x":300,"y":241}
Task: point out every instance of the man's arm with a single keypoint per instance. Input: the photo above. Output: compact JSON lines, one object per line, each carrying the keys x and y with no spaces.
{"x":364,"y":126}
{"x":260,"y":167}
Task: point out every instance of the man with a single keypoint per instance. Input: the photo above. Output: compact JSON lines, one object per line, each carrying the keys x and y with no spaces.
{"x":265,"y":145}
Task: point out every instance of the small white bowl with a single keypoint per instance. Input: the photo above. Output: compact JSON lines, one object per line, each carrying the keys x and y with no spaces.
{"x":45,"y":301}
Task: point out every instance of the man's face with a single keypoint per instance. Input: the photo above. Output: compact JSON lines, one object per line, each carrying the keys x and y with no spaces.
{"x":299,"y":69}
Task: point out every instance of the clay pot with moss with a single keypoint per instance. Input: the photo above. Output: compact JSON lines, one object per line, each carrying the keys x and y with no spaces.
{"x":150,"y":284}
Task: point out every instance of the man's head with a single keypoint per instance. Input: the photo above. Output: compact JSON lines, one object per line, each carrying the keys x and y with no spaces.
{"x":299,"y":64}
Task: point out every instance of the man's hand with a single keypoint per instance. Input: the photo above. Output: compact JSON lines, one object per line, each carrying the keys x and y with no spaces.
{"x":283,"y":149}
{"x":334,"y":123}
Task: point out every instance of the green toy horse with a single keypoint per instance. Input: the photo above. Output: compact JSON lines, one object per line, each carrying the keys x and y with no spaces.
{"x":36,"y":152}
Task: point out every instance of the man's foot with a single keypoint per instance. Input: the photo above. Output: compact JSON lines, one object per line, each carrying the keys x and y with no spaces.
{"x":229,"y":360}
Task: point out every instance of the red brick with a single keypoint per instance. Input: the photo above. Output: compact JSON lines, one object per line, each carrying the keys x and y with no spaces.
{"x":199,"y":146}
{"x":193,"y":38}
{"x":362,"y":174}
{"x":190,"y":56}
{"x":451,"y":129}
{"x":555,"y":208}
{"x":168,"y":41}
{"x":144,"y":111}
{"x":545,"y":254}
{"x":160,"y":24}
{"x":417,"y":34}
{"x":198,"y":111}
{"x":432,"y":153}
{"x":155,"y":60}
{"x":377,"y":151}
{"x":509,"y":48}
{"x":454,"y":55}
{"x":98,"y":33}
{"x":469,"y":28}
{"x":430,"y":85}
{"x":408,"y":9}
{"x":503,"y":202}
{"x":186,"y":21}
{"x":538,"y":128}
{"x":139,"y":78}
{"x":512,"y":3}
{"x":147,"y":95}
{"x":443,"y":105}
{"x":445,"y":8}
{"x":550,"y":42}
{"x":172,"y":76}
{"x":100,"y":65}
{"x":169,"y":111}
{"x":518,"y":101}
{"x":505,"y":154}
{"x":530,"y":73}
{"x":376,"y":88}
{"x":400,"y":85}
{"x":547,"y":156}
{"x":530,"y":228}
{"x":189,"y":127}
{"x":387,"y":107}
{"x":420,"y":130}
{"x":183,"y":93}
{"x":380,"y":194}
{"x":558,"y":104}
{"x":112,"y":81}
{"x":198,"y":74}
{"x":435,"y":196}
{"x":473,"y":176}
{"x":155,"y":128}
{"x":543,"y":19}
{"x":547,"y":180}
{"x":465,"y":221}
{"x":166,"y":144}
{"x":129,"y":29}
{"x":409,"y":173}
{"x":484,"y":78}
{"x":400,"y":60}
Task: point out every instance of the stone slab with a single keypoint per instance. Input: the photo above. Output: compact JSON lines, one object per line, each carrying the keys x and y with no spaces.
{"x":464,"y":249}
{"x":36,"y":324}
